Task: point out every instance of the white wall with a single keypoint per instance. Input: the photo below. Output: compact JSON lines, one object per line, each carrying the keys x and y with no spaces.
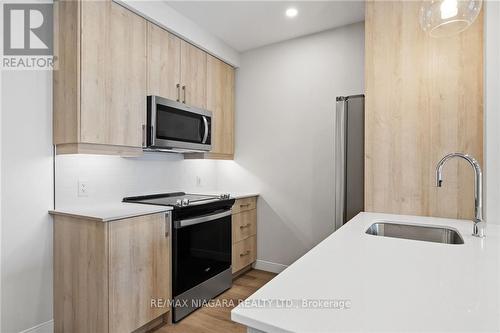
{"x":492,"y":111}
{"x":165,"y":16}
{"x":110,"y":178}
{"x":285,"y":104}
{"x":27,"y":192}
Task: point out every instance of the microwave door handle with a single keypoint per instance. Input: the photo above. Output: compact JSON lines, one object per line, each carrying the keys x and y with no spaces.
{"x":205,"y":136}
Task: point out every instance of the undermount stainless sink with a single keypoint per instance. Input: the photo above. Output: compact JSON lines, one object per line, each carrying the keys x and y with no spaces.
{"x":415,"y":232}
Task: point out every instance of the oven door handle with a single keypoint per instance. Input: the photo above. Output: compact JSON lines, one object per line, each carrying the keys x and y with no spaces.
{"x":205,"y":136}
{"x":202,"y":219}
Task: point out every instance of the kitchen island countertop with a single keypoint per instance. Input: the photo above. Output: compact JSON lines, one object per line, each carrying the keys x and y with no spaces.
{"x":353,"y":281}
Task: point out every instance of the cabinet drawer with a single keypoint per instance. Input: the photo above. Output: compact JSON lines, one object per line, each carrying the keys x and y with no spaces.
{"x":244,"y":253}
{"x":244,"y":204}
{"x":244,"y":225}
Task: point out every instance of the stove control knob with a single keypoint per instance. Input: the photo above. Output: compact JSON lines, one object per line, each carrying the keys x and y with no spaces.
{"x":178,"y":203}
{"x":224,"y":196}
{"x":185,"y":202}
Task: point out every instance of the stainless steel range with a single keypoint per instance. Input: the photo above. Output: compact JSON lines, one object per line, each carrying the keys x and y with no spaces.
{"x":201,"y":246}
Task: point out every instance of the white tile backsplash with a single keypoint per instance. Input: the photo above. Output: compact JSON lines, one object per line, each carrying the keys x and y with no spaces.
{"x":110,"y":178}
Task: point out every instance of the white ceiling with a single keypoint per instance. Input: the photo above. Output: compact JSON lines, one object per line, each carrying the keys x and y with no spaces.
{"x":246,"y":25}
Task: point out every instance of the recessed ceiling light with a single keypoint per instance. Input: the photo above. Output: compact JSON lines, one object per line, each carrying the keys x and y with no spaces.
{"x":291,"y":12}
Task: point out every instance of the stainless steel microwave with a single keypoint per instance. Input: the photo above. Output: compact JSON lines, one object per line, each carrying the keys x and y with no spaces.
{"x":177,"y":127}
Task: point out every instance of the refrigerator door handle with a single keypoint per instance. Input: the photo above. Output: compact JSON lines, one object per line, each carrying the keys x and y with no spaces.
{"x":349,"y":158}
{"x":340,"y":161}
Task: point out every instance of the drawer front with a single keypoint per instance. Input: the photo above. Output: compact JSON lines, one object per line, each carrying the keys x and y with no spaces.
{"x":244,"y":204}
{"x":244,"y":253}
{"x":244,"y":225}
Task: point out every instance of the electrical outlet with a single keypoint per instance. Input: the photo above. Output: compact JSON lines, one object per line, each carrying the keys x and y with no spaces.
{"x":198,"y":181}
{"x":83,"y":188}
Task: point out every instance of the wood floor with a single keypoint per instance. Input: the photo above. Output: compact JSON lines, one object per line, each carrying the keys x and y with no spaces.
{"x":218,"y":319}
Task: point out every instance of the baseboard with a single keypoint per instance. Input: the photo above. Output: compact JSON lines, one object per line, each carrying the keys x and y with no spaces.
{"x":46,"y":327}
{"x":269,"y":266}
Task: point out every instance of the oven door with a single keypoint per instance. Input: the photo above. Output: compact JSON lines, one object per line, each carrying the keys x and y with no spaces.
{"x":201,"y":249}
{"x":174,"y":125}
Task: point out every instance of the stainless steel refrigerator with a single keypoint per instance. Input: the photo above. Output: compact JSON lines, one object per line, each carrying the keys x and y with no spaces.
{"x":349,"y":158}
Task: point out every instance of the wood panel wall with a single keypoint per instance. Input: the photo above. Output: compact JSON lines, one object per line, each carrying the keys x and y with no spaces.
{"x":424,"y":98}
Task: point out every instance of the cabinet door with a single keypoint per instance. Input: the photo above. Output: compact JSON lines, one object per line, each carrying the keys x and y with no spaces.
{"x":164,"y":62}
{"x":244,"y":253}
{"x":139,"y":270}
{"x":113,"y":74}
{"x":244,"y":225}
{"x":220,"y":100}
{"x":193,"y":75}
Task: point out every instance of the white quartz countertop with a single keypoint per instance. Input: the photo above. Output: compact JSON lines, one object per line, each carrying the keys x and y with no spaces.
{"x":243,"y":195}
{"x":112,"y":211}
{"x":234,"y":195}
{"x":389,"y":284}
{"x":107,"y":212}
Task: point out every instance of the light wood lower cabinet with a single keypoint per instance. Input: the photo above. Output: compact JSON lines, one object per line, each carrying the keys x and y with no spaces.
{"x":80,"y":275}
{"x":139,"y":270}
{"x":244,"y":204}
{"x":244,"y":253}
{"x":244,"y":225}
{"x":244,"y":234}
{"x":106,"y":274}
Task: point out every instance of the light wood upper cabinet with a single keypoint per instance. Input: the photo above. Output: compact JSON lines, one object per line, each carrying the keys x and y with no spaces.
{"x":176,"y":70}
{"x":113,"y":74}
{"x":100,"y":85}
{"x":108,"y":60}
{"x":220,"y":100}
{"x":164,"y":63}
{"x":106,"y":273}
{"x":139,"y":262}
{"x":193,"y":75}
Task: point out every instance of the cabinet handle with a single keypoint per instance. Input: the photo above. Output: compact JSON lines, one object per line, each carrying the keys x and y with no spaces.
{"x":184,"y":93}
{"x":167,"y":224}
{"x":143,"y":135}
{"x":245,"y":254}
{"x":178,"y":92}
{"x":244,"y":226}
{"x":245,"y":205}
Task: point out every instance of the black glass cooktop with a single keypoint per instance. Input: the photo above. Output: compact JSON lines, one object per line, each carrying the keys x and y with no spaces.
{"x":176,"y":199}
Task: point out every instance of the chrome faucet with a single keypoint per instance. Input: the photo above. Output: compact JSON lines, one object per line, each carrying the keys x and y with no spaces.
{"x":479,"y":224}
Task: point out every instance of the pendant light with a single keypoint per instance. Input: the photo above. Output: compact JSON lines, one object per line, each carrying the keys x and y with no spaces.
{"x":443,"y":18}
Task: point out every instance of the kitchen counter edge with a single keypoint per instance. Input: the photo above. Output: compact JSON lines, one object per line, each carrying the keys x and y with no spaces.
{"x":110,"y":212}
